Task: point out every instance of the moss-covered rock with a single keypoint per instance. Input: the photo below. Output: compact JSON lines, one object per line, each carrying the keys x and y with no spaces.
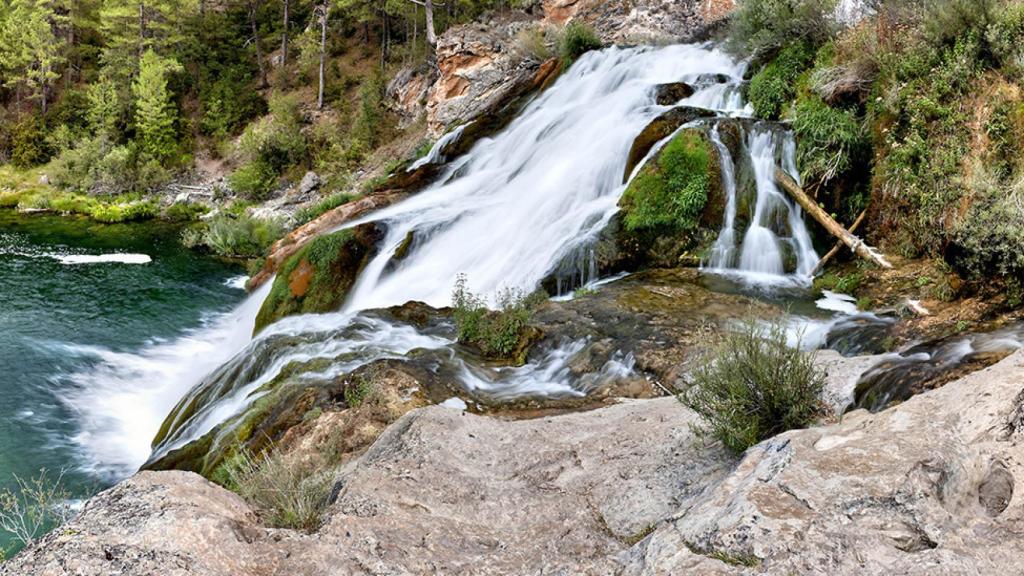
{"x":660,"y":128}
{"x":674,"y":204}
{"x":318,"y":277}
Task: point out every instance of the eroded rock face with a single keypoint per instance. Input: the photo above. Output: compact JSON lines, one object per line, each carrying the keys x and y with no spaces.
{"x":643,"y":21}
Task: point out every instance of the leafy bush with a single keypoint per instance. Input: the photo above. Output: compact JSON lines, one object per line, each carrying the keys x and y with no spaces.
{"x":255,"y":180}
{"x":829,"y":140}
{"x":236,"y":236}
{"x":576,"y":40}
{"x":326,"y":204}
{"x":775,"y":85}
{"x":990,"y":236}
{"x":1005,"y":36}
{"x":669,"y":194}
{"x":496,"y":333}
{"x":754,"y":387}
{"x":763,"y":27}
{"x":290,"y":495}
{"x":95,"y":166}
{"x":366,"y":129}
{"x":28,"y":143}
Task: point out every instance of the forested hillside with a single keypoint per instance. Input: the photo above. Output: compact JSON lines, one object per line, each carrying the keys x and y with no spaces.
{"x":119,"y":99}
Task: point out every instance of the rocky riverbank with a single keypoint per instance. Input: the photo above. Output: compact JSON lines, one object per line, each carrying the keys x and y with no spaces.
{"x":927,"y":487}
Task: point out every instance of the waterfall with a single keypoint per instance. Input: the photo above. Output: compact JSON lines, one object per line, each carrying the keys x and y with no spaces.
{"x":506,"y":214}
{"x":776,"y":247}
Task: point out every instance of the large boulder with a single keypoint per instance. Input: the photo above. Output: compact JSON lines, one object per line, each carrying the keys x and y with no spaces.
{"x":318,"y":277}
{"x":643,"y":21}
{"x":673,"y":207}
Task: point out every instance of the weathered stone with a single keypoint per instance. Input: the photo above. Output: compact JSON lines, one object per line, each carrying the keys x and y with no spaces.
{"x":668,"y":94}
{"x":310,"y":182}
{"x":927,"y":487}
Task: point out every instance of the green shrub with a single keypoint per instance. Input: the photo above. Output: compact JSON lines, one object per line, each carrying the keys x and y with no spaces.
{"x":290,"y":495}
{"x":576,"y":40}
{"x":28,"y":143}
{"x":669,"y":194}
{"x":496,"y":333}
{"x":236,"y":236}
{"x":775,"y":85}
{"x":323,"y":205}
{"x":255,"y":180}
{"x":829,"y":140}
{"x":369,"y":119}
{"x":754,"y":387}
{"x":990,"y":236}
{"x":763,"y":27}
{"x":535,"y":43}
{"x":1005,"y":36}
{"x":357,"y":391}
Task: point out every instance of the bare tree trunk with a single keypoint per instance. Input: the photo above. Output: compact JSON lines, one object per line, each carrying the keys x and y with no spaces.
{"x":323,"y":55}
{"x":431,"y":35}
{"x":256,"y":41}
{"x":811,"y":207}
{"x":839,"y":246}
{"x":284,"y":36}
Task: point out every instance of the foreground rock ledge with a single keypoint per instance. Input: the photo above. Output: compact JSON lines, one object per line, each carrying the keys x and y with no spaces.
{"x":929,"y":487}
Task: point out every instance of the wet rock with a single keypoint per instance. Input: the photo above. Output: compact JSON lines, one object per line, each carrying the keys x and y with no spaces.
{"x":318,"y":277}
{"x":668,"y":94}
{"x":660,"y":128}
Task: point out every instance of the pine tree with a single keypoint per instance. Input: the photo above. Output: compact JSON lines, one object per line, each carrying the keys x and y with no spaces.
{"x":131,"y":27}
{"x":155,"y":114}
{"x":32,"y":48}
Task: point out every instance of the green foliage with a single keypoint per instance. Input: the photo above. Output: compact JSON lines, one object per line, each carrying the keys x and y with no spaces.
{"x":31,"y":46}
{"x":28,"y":145}
{"x":496,"y":333}
{"x":990,"y":237}
{"x":236,"y":236}
{"x":775,"y":85}
{"x":576,"y":40}
{"x":255,"y":180}
{"x":155,"y":114}
{"x":326,"y":204}
{"x":763,"y":27}
{"x":754,"y":387}
{"x":829,"y":140}
{"x":357,"y":390}
{"x":290,"y":494}
{"x":229,"y":103}
{"x":842,"y":283}
{"x":669,"y":194}
{"x":105,"y":109}
{"x":369,"y":113}
{"x":535,"y":42}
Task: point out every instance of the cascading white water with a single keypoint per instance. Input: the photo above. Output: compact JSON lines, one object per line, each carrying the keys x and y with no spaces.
{"x":505,"y":215}
{"x":529,"y":197}
{"x":776,"y":229}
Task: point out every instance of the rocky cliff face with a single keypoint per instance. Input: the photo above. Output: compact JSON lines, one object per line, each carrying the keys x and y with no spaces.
{"x":929,"y":487}
{"x":482,"y":66}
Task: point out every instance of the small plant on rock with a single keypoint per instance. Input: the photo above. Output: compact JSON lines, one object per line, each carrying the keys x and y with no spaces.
{"x":755,"y":386}
{"x":33,"y":507}
{"x":288,"y":494}
{"x":496,"y":333}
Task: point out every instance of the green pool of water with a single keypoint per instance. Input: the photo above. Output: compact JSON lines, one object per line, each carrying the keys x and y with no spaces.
{"x":75,"y":300}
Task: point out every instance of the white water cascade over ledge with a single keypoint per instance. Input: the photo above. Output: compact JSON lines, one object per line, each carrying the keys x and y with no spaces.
{"x":505,"y":214}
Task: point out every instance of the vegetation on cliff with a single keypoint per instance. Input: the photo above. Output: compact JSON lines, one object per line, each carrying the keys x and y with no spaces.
{"x":909,"y":110}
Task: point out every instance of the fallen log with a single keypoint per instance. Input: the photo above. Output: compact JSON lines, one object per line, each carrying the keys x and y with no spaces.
{"x":839,"y":246}
{"x":814,"y":211}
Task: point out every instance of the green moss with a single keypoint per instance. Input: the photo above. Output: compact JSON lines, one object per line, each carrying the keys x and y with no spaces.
{"x":670,"y":192}
{"x":775,"y":85}
{"x":316,"y":279}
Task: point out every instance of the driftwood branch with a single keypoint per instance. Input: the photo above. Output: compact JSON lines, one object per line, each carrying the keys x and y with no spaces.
{"x":839,"y":246}
{"x":814,"y":211}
